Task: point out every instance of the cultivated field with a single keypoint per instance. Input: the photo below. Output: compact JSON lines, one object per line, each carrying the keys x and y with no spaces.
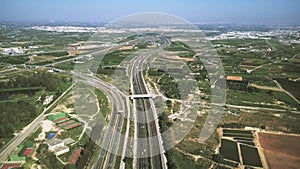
{"x":282,"y":151}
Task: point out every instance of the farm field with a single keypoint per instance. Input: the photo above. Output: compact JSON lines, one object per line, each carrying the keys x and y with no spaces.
{"x":281,"y":151}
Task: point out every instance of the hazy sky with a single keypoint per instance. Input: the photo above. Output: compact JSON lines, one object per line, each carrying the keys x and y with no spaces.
{"x":234,"y":11}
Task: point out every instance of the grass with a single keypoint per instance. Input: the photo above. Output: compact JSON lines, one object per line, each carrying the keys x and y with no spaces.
{"x":104,"y":104}
{"x":185,"y":161}
{"x":284,"y":122}
{"x":56,"y":54}
{"x":116,"y":57}
{"x":54,"y":60}
{"x":290,"y":86}
{"x":66,"y":66}
{"x":14,"y":59}
{"x":259,"y":98}
{"x":192,"y":147}
{"x":21,"y":94}
{"x":178,"y":46}
{"x":73,"y":133}
{"x":254,"y":62}
{"x":189,"y":54}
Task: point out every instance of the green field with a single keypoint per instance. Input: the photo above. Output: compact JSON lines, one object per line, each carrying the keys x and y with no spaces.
{"x":291,"y":86}
{"x":260,"y":98}
{"x":14,"y":59}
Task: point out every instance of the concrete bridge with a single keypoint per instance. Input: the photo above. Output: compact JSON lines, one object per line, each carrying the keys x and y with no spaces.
{"x":138,"y":96}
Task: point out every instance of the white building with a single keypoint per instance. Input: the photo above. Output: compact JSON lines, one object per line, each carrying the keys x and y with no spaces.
{"x":61,"y":150}
{"x":58,"y":146}
{"x":12,"y":51}
{"x":48,"y":100}
{"x":68,"y":141}
{"x":55,"y":143}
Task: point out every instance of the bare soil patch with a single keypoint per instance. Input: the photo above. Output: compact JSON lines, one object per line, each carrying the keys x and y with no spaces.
{"x":282,"y":151}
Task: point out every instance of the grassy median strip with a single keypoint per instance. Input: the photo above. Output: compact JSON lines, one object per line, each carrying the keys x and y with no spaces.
{"x":104,"y":104}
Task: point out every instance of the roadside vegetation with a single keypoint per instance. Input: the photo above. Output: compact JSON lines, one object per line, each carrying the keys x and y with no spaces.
{"x":22,"y":96}
{"x":104,"y":104}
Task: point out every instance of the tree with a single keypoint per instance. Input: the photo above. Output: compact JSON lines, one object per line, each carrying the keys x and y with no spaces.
{"x":218,"y":158}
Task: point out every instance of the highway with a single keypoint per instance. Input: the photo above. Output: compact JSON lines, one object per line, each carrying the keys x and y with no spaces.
{"x":111,"y":140}
{"x":105,"y":159}
{"x":148,"y":145}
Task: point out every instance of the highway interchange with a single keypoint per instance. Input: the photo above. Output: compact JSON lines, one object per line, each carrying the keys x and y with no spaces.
{"x":151,"y":149}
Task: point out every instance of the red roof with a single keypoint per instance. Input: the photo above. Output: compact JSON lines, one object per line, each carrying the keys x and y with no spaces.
{"x":235,"y":78}
{"x":66,"y":123}
{"x":27,"y":152}
{"x":75,"y":157}
{"x":73,"y":126}
{"x":61,"y":119}
{"x":8,"y":166}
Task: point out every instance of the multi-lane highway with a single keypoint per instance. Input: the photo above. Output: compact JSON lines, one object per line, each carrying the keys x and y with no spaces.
{"x":148,"y":146}
{"x":111,"y":139}
{"x":151,"y":149}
